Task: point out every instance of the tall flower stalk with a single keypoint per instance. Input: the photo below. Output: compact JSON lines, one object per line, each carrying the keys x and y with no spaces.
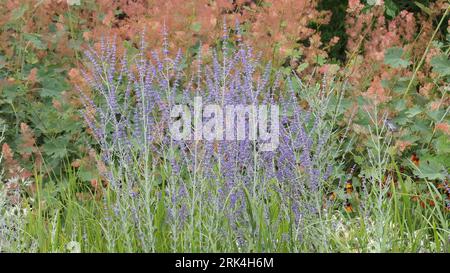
{"x":201,"y":190}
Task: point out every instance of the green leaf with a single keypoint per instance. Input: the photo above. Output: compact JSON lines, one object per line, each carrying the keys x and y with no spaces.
{"x":35,"y":40}
{"x":399,"y":104}
{"x":302,"y":67}
{"x":11,"y":92}
{"x":441,"y":65}
{"x":442,"y":144}
{"x":411,"y":138}
{"x":421,"y":126}
{"x":320,"y":60}
{"x":393,"y":57}
{"x":401,"y":84}
{"x":390,"y":8}
{"x":52,"y":84}
{"x":45,"y":92}
{"x":56,"y":148}
{"x":430,"y":169}
{"x":412,"y":112}
{"x":401,"y":119}
{"x":424,"y":8}
{"x":436,"y":115}
{"x":85,"y":175}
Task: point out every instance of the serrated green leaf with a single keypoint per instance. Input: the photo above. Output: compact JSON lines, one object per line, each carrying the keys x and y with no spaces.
{"x":56,"y":148}
{"x":10,"y":92}
{"x":401,"y":119}
{"x":393,"y":57}
{"x":412,"y":112}
{"x":35,"y":40}
{"x":441,"y":65}
{"x":430,"y":169}
{"x":442,"y":144}
{"x":302,"y":67}
{"x":399,"y":104}
{"x":52,"y":85}
{"x":411,"y":138}
{"x":85,"y":175}
{"x":421,"y":126}
{"x":390,"y":8}
{"x":402,"y":84}
{"x":436,"y":115}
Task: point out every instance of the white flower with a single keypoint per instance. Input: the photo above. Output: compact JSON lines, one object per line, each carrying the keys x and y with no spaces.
{"x":73,"y":247}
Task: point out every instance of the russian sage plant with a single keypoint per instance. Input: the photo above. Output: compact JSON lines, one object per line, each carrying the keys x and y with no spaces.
{"x":200,"y":194}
